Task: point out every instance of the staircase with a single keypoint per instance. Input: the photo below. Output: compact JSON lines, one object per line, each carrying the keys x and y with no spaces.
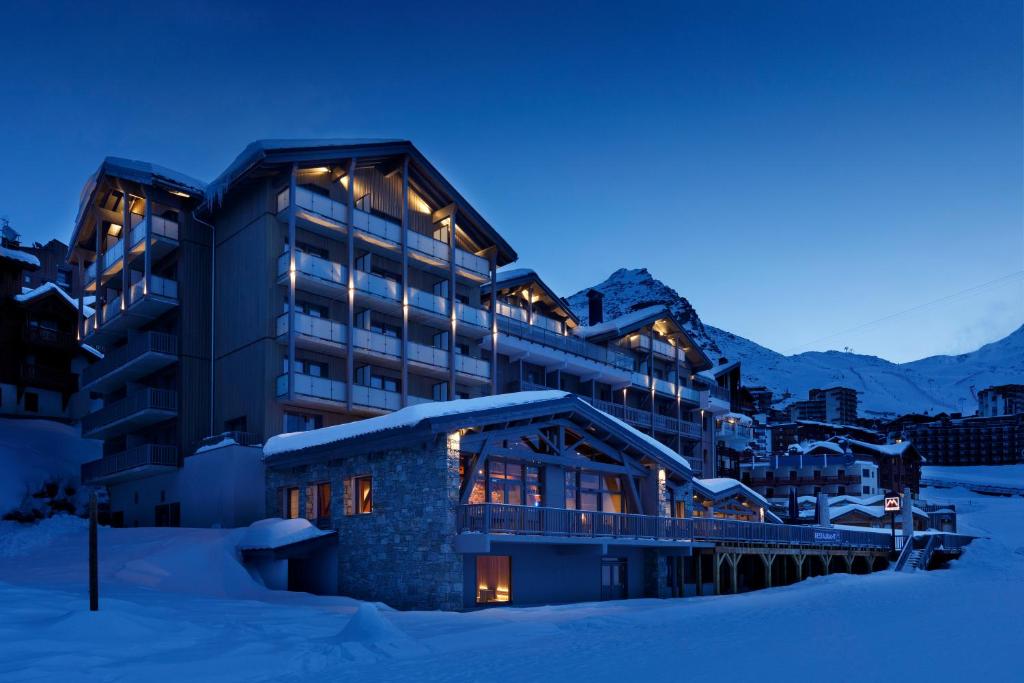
{"x":914,"y":562}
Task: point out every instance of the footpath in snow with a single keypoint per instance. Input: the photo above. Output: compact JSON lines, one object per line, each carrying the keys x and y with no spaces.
{"x":176,"y":605}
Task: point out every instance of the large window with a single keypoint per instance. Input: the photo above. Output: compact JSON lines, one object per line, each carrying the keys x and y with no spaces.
{"x":301,"y":422}
{"x":493,"y":579}
{"x":513,"y":483}
{"x":592,"y":491}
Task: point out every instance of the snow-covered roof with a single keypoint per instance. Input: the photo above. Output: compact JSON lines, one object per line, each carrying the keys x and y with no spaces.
{"x":257,"y":150}
{"x":625,"y":323}
{"x":857,"y":500}
{"x":412,"y":416}
{"x":268,"y":534}
{"x":720,"y":369}
{"x":721,"y":485}
{"x":890,"y":449}
{"x":47,"y":287}
{"x":18,"y":255}
{"x":738,"y":417}
{"x":510,"y":274}
{"x":514,"y":275}
{"x":876,"y":511}
{"x":809,"y":448}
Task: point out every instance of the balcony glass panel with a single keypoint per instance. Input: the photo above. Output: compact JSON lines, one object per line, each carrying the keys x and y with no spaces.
{"x":377,"y":343}
{"x":428,"y":302}
{"x":113,"y":254}
{"x":470,"y":315}
{"x":472,"y":366}
{"x":472,"y":262}
{"x":427,"y":245}
{"x":314,"y":266}
{"x":314,"y":387}
{"x":428,"y":355}
{"x":514,"y":312}
{"x":376,"y":398}
{"x":310,"y":326}
{"x":377,"y":285}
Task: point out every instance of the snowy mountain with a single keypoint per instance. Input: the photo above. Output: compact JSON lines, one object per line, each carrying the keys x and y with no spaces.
{"x":935,"y":384}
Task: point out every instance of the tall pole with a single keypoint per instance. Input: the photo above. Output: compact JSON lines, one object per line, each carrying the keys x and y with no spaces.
{"x":405,"y":281}
{"x":94,"y":583}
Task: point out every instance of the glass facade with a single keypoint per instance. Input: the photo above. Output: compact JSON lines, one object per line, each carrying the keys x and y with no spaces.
{"x":592,"y":491}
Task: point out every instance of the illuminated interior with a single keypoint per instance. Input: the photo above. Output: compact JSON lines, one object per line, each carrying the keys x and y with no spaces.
{"x":493,"y":579}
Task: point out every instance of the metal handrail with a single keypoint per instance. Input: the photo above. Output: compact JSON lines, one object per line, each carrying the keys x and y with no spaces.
{"x":146,"y":342}
{"x":545,"y":521}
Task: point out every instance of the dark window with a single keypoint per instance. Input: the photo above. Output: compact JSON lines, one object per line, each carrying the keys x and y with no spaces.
{"x":168,"y":514}
{"x":31,"y":402}
{"x":613,"y":578}
{"x":493,"y":579}
{"x":318,"y":504}
{"x":300,"y":422}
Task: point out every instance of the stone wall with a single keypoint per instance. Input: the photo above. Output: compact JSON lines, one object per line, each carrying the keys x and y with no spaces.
{"x":403,"y":552}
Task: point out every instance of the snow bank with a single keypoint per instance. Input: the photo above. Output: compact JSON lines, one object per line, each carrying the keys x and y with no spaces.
{"x":276,"y":533}
{"x":38,"y":452}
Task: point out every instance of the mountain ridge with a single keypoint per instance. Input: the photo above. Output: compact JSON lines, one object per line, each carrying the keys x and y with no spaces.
{"x":934,"y":384}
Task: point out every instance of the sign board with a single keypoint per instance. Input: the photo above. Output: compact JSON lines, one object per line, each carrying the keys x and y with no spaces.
{"x":826,"y":536}
{"x":892,"y":503}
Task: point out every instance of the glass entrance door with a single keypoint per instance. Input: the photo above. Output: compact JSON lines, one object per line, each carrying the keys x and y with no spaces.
{"x":613,"y":578}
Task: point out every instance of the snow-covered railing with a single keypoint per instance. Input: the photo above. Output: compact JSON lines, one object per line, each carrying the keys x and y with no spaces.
{"x":564,"y":342}
{"x":541,"y":521}
{"x":140,"y":456}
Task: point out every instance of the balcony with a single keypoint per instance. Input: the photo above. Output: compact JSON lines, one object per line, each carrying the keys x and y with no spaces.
{"x":140,"y":409}
{"x":327,"y":215}
{"x":716,"y":399}
{"x":425,"y":302}
{"x":377,"y":346}
{"x":314,"y":274}
{"x":315,"y":334}
{"x":43,"y":377}
{"x":544,"y":347}
{"x":38,"y":335}
{"x":641,"y":419}
{"x":163,"y":236}
{"x":477,"y":319}
{"x":845,"y":480}
{"x":144,"y":354}
{"x":434,"y":361}
{"x":321,"y":392}
{"x":385,"y":291}
{"x":113,"y":258}
{"x":153,"y":301}
{"x":641,"y":342}
{"x":90,"y":276}
{"x":137,"y":462}
{"x":520,"y":520}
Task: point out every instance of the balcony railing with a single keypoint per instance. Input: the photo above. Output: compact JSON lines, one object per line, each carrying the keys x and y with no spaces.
{"x":849,"y":479}
{"x":314,"y":266}
{"x":476,"y":317}
{"x":90,"y":272}
{"x":316,"y":328}
{"x":140,"y":456}
{"x":137,"y":346}
{"x":472,"y":366}
{"x":314,"y":387}
{"x":378,"y":286}
{"x":112,"y":308}
{"x":136,"y":402}
{"x":490,"y":518}
{"x":375,"y":342}
{"x":638,"y":417}
{"x":113,"y":254}
{"x":162,"y":227}
{"x":565,"y":343}
{"x":425,"y":301}
{"x":721,"y":393}
{"x":35,"y":334}
{"x":641,"y":342}
{"x":381,"y":228}
{"x":158,"y":286}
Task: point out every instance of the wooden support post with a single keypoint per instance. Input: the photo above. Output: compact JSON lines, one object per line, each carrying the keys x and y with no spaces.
{"x":718,"y":573}
{"x":350,"y":249}
{"x":799,"y":560}
{"x":699,"y":557}
{"x":452,"y":304}
{"x":734,"y":562}
{"x":126,"y":281}
{"x":405,"y":282}
{"x":147,"y":256}
{"x":94,"y":581}
{"x":292,"y":265}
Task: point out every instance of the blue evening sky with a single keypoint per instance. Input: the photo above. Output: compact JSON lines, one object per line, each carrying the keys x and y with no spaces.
{"x":795,"y":169}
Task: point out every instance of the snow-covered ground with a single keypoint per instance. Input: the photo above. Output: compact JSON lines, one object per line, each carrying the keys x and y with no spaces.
{"x":176,"y":605}
{"x":1010,"y":476}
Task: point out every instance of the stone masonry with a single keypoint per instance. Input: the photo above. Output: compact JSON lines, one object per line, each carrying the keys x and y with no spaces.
{"x":403,"y":552}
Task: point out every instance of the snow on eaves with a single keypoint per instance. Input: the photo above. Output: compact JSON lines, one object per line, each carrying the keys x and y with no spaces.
{"x":18,"y":255}
{"x":411,"y":416}
{"x":46,"y":287}
{"x":147,"y":173}
{"x":255,"y":151}
{"x":719,"y":485}
{"x":889,"y":449}
{"x":268,"y":534}
{"x":514,"y":274}
{"x":623,"y":322}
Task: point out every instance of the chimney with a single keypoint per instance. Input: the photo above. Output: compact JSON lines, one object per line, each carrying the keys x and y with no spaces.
{"x":595,"y":312}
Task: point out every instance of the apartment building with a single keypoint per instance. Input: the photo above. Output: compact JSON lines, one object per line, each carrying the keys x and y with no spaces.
{"x":640,"y":367}
{"x":1005,"y":399}
{"x":42,"y":357}
{"x":146,"y":260}
{"x":837,"y":405}
{"x":321,"y":282}
{"x":821,"y":467}
{"x":995,"y":440}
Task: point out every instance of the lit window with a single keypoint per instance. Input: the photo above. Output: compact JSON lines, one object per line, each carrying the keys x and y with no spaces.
{"x":362,"y":496}
{"x":291,"y":503}
{"x":493,"y":579}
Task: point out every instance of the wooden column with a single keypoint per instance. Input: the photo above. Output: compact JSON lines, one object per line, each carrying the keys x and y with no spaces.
{"x":292,"y":206}
{"x":350,"y":248}
{"x":81,"y":296}
{"x":650,"y":372}
{"x":147,"y":259}
{"x":451,"y":304}
{"x":494,"y":320}
{"x":405,"y":281}
{"x":98,"y":267}
{"x":126,"y":281}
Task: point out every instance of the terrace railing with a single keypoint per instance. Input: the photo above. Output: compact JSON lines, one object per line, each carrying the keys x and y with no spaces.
{"x":540,"y":521}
